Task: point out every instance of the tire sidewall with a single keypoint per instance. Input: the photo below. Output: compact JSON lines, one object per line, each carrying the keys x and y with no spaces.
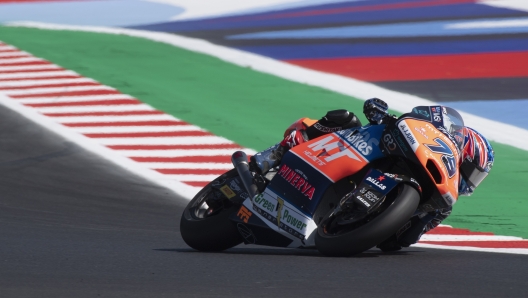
{"x":215,"y":233}
{"x":375,"y":231}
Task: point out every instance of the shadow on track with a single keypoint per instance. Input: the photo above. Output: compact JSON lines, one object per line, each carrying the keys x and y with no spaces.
{"x":288,"y":252}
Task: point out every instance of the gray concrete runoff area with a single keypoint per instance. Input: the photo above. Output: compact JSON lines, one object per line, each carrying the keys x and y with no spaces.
{"x":74,"y":225}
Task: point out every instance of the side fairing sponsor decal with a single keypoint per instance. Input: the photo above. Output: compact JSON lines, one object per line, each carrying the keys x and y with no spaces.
{"x":364,"y":140}
{"x":299,"y":183}
{"x":448,"y":158}
{"x":408,"y":135}
{"x":329,"y":145}
{"x":297,"y":179}
{"x":394,"y":143}
{"x":381,"y":182}
{"x":372,"y":190}
{"x":390,"y":144}
{"x":244,"y":214}
{"x":280,"y":214}
{"x":377,"y":182}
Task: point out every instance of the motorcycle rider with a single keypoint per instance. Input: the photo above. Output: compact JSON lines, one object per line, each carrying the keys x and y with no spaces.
{"x":477,"y":158}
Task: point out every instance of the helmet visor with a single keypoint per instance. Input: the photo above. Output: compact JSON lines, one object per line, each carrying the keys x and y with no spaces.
{"x":472,"y":173}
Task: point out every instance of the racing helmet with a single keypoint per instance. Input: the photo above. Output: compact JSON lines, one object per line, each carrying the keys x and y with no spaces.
{"x":477,"y":160}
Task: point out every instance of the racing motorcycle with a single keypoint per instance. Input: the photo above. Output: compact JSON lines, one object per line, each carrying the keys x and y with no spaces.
{"x":342,"y":193}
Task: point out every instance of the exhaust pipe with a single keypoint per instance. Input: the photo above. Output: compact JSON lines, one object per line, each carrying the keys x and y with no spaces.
{"x":240,"y":162}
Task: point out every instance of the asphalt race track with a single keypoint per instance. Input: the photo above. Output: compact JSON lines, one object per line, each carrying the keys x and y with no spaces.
{"x":74,"y":225}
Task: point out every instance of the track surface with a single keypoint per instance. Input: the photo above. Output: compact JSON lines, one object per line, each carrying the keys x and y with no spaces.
{"x":72,"y":225}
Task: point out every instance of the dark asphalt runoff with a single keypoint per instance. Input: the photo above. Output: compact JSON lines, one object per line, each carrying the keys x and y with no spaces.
{"x":75,"y":225}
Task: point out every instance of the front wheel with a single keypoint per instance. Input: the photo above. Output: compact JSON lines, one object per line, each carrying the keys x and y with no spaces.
{"x":341,"y":241}
{"x":205,"y":223}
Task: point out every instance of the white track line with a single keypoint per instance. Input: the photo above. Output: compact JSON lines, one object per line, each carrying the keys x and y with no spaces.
{"x":14,"y":54}
{"x":208,"y":140}
{"x":187,"y":165}
{"x":28,"y":67}
{"x":110,"y":119}
{"x":71,"y":99}
{"x":91,"y":109}
{"x":32,"y":75}
{"x":180,"y":153}
{"x":6,"y":48}
{"x":180,"y":188}
{"x":130,"y":129}
{"x":189,"y":177}
{"x":522,"y":251}
{"x":29,"y":83}
{"x":19,"y":60}
{"x":19,"y":92}
{"x":435,"y":237}
{"x":493,"y":130}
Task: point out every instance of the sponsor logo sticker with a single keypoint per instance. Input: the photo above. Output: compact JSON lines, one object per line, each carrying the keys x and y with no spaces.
{"x":377,"y":182}
{"x":328,"y":145}
{"x":389,"y":141}
{"x":406,"y":131}
{"x":363,"y":201}
{"x":371,"y":196}
{"x":298,"y":180}
{"x":244,"y":214}
{"x":228,"y":192}
{"x":275,"y":210}
{"x":448,"y":158}
{"x":360,"y":139}
{"x":421,"y":131}
{"x":437,"y":116}
{"x":399,"y":140}
{"x":326,"y":129}
{"x":234,"y":185}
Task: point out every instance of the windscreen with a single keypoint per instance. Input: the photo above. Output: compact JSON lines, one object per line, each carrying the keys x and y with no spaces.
{"x":453,"y":122}
{"x":444,"y":117}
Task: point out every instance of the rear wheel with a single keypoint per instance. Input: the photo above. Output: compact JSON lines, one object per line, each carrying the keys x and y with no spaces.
{"x":334,"y":239}
{"x":205,"y":223}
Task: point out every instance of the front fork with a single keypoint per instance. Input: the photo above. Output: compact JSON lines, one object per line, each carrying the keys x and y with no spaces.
{"x":240,"y":162}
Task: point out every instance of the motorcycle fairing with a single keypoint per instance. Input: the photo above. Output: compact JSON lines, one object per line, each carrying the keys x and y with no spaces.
{"x":308,"y":169}
{"x":433,"y":150}
{"x":394,"y":143}
{"x":342,"y":153}
{"x":372,"y":190}
{"x":231,"y":187}
{"x":254,"y":230}
{"x":299,"y":183}
{"x":280,"y":216}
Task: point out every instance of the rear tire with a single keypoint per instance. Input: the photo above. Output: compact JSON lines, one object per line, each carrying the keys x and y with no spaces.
{"x":209,"y":233}
{"x":371,"y":233}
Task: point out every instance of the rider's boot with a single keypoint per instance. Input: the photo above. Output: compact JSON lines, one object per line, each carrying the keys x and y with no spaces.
{"x":265,"y":160}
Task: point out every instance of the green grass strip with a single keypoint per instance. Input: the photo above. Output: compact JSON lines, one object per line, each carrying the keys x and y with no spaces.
{"x":249,"y":107}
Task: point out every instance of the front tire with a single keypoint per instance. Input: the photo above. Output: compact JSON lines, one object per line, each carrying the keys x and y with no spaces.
{"x":214,"y":232}
{"x":373,"y":232}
